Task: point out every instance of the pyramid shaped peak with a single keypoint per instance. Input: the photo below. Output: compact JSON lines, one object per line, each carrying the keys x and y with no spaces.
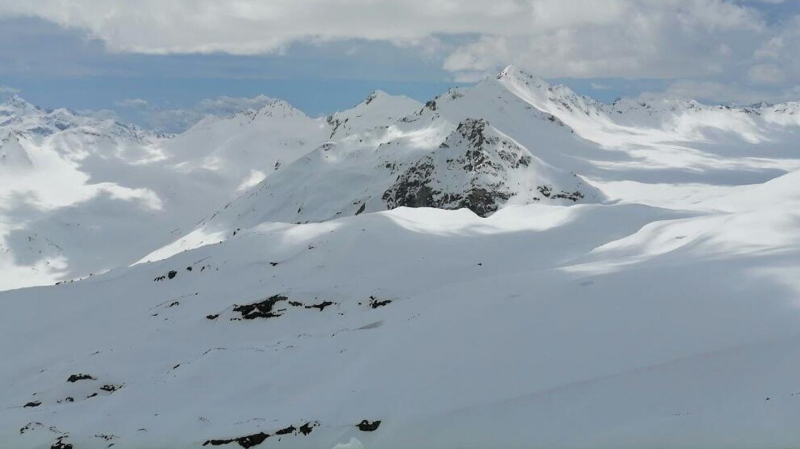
{"x":275,"y":107}
{"x":17,"y":102}
{"x":514,"y":72}
{"x":12,"y":153}
{"x":375,"y":94}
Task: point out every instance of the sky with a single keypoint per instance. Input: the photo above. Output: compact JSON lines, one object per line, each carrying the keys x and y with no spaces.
{"x":165,"y":64}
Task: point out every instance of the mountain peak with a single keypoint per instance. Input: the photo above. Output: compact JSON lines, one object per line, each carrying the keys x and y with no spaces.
{"x":378,"y":95}
{"x":374,"y":95}
{"x":509,"y":70}
{"x":12,"y":153}
{"x":514,"y":72}
{"x":275,"y":108}
{"x":17,"y":103}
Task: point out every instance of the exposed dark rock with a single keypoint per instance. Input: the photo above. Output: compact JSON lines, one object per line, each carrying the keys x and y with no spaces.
{"x":258,"y":438}
{"x":61,"y":444}
{"x":30,"y":426}
{"x":286,"y":430}
{"x":306,"y":428}
{"x":263,"y":309}
{"x":573,"y":196}
{"x":76,"y":377}
{"x":411,"y":189}
{"x":375,"y":302}
{"x":172,"y":274}
{"x":361,"y":209}
{"x":473,"y":131}
{"x":371,"y":97}
{"x":366,"y":426}
{"x":110,"y":388}
{"x":482,"y":201}
{"x":321,"y":306}
{"x":212,"y":317}
{"x":33,"y":404}
{"x":481,"y":163}
{"x":245,"y":441}
{"x":547,"y":191}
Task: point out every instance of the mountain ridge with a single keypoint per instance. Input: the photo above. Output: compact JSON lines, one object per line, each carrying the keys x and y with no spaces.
{"x":286,"y":166}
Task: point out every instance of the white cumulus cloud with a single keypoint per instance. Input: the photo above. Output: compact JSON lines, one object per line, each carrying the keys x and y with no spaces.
{"x":553,"y":38}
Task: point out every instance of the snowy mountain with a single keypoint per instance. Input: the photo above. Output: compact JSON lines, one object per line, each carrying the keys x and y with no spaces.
{"x":13,"y":155}
{"x":479,"y":148}
{"x":508,"y":265}
{"x":83,"y":195}
{"x":247,"y":145}
{"x":378,"y":110}
{"x":383,"y":153}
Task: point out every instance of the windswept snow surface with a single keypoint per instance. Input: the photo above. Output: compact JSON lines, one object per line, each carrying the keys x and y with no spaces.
{"x":660,"y":308}
{"x":81,"y":196}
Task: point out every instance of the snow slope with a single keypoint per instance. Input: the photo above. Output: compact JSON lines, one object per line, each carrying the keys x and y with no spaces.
{"x":541,"y":326}
{"x":510,"y":265}
{"x":13,"y":156}
{"x":86,"y":195}
{"x":378,"y":110}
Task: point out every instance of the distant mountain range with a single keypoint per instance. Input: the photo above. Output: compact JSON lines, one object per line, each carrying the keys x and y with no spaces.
{"x":507,"y":265}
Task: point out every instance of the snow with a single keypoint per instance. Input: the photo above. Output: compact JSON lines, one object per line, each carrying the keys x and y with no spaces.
{"x":659,"y":310}
{"x":352,"y":444}
{"x":378,"y":109}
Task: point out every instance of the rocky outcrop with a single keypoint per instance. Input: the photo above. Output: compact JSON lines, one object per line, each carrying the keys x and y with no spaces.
{"x":471,"y":169}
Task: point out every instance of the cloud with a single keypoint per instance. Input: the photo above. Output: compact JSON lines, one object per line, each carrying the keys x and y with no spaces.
{"x":254,"y":26}
{"x":133,"y":103}
{"x":723,"y":93}
{"x":100,"y":114}
{"x":555,"y":37}
{"x":6,"y":90}
{"x":623,"y":38}
{"x":766,"y":74}
{"x":733,"y":41}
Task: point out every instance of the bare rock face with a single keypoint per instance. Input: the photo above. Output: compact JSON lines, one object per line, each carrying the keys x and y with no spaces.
{"x":471,"y":169}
